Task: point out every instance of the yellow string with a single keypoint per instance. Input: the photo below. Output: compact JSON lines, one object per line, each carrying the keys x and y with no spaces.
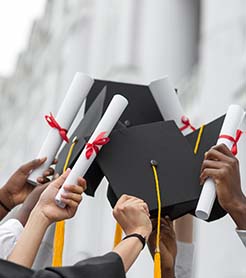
{"x":157,"y":258}
{"x":58,"y":243}
{"x":117,"y":234}
{"x":198,"y":140}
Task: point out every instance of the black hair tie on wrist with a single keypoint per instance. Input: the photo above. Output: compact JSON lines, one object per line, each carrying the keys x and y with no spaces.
{"x":5,"y":207}
{"x":140,"y":237}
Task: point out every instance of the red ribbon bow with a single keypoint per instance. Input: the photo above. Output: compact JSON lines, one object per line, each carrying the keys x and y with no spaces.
{"x":93,"y":147}
{"x":54,"y":124}
{"x":186,"y":121}
{"x":234,"y":140}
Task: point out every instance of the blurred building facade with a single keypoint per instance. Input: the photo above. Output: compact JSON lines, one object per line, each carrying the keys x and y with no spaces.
{"x":201,"y":45}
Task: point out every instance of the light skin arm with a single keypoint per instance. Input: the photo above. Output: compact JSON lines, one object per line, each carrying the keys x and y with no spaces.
{"x":133,"y":216}
{"x":220,"y":164}
{"x":128,"y":250}
{"x":45,"y":213}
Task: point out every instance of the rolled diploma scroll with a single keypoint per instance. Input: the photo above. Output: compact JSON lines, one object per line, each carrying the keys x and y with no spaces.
{"x":231,"y":123}
{"x":106,"y":124}
{"x":167,"y":101}
{"x":71,"y":104}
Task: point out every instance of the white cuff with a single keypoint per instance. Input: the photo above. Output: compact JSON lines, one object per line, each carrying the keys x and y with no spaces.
{"x":242,"y":235}
{"x":9,"y":233}
{"x":13,"y":226}
{"x":184,"y":259}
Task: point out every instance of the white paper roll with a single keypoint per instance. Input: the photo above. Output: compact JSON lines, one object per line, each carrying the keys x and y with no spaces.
{"x":231,"y":123}
{"x":168,"y":102}
{"x":106,"y":124}
{"x":71,"y":104}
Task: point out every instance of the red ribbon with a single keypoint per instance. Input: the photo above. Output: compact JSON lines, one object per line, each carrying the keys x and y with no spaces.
{"x":93,"y":147}
{"x":186,"y":122}
{"x":234,"y":140}
{"x":54,"y":124}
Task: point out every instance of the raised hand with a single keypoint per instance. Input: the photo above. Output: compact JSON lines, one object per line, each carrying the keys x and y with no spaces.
{"x":133,"y":215}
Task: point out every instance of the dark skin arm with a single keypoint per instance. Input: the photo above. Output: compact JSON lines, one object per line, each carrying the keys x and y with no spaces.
{"x":16,"y":189}
{"x":223,"y":167}
{"x":168,"y":246}
{"x":29,"y":204}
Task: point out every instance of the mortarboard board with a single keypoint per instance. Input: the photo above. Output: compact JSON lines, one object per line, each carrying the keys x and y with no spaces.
{"x":142,"y":107}
{"x":128,"y":168}
{"x":125,"y":161}
{"x":209,"y":138}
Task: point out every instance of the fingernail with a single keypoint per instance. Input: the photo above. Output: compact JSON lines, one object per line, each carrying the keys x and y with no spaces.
{"x":42,"y":159}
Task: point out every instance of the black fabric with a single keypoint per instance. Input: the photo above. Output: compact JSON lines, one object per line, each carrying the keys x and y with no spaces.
{"x":107,"y":266}
{"x":11,"y":270}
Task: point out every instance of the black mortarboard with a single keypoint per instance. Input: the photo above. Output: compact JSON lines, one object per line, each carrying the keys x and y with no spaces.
{"x":126,"y":163}
{"x":142,"y":108}
{"x":209,"y":138}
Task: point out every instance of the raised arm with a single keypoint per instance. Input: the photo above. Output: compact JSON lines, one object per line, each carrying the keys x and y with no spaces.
{"x":44,"y":213}
{"x":133,"y":216}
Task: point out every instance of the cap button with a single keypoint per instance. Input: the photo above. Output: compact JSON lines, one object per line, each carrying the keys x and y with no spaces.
{"x":127,"y":123}
{"x":75,"y":139}
{"x":153,"y":162}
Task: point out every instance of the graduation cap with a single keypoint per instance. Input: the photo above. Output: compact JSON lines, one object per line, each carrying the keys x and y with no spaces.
{"x":208,"y":139}
{"x":127,"y":162}
{"x":142,"y":107}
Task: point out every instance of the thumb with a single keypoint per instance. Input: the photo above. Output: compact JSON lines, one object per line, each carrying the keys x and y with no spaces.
{"x":59,"y":181}
{"x":31,"y":165}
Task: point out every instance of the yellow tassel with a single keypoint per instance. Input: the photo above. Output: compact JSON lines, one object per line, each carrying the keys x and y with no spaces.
{"x":157,"y":265}
{"x":117,"y":234}
{"x":157,"y":258}
{"x":58,"y":243}
{"x":198,"y":140}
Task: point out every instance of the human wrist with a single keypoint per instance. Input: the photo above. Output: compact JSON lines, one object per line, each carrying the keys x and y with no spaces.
{"x":37,"y":214}
{"x":138,"y":236}
{"x":169,"y":272}
{"x":6,"y":198}
{"x":237,"y":211}
{"x":141,"y":231}
{"x":168,"y":268}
